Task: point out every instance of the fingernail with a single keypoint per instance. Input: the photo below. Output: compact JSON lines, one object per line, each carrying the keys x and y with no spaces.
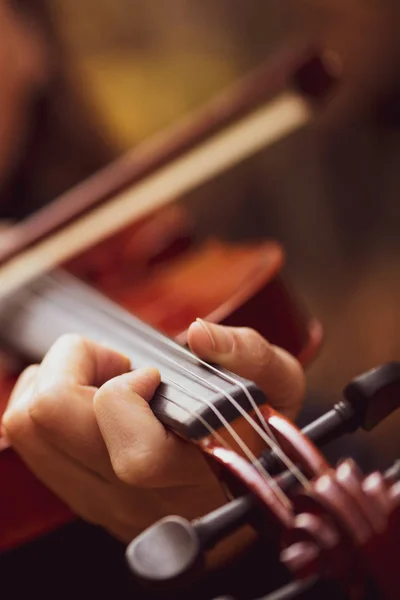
{"x":221,"y":337}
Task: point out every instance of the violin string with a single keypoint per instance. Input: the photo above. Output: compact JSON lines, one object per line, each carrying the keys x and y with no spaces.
{"x":149,"y":332}
{"x":246,"y":450}
{"x":248,"y":395}
{"x":143,"y":328}
{"x":201,"y":419}
{"x":273,"y":445}
{"x":233,"y":380}
{"x":226,"y":376}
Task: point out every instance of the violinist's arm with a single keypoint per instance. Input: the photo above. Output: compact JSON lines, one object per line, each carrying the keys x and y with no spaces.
{"x":82,"y":423}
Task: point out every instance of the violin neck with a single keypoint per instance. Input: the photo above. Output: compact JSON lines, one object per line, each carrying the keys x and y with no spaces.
{"x":192,"y":395}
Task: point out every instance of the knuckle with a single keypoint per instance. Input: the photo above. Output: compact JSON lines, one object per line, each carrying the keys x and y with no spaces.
{"x":132,"y":468}
{"x":258,"y":351}
{"x":29,"y":372}
{"x":15,"y":424}
{"x":24,"y":381}
{"x":70,"y":338}
{"x":108,"y":392}
{"x":109,"y":387}
{"x":47,"y":404}
{"x":104,"y":394}
{"x":125,"y":467}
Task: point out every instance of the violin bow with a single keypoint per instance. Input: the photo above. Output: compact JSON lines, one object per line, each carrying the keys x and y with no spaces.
{"x":265,"y":107}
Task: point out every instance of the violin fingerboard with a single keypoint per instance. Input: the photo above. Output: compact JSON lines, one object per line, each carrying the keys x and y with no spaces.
{"x":193,"y":399}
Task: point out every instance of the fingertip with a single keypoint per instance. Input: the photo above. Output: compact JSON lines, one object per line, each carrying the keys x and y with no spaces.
{"x":211,"y":341}
{"x":200,"y":339}
{"x":144,"y":382}
{"x":130,"y":387}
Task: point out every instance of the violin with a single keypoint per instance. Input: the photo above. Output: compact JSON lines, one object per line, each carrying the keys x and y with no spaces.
{"x":333,"y":526}
{"x":127,"y":255}
{"x":123,"y":235}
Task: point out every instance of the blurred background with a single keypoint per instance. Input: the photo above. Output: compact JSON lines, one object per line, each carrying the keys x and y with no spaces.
{"x":328,"y":193}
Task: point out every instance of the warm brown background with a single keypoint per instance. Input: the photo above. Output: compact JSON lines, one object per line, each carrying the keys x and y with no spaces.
{"x":330,"y":193}
{"x":149,"y":62}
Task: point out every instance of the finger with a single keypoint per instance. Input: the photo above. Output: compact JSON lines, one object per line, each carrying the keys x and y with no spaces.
{"x":142,"y":452}
{"x":246,"y":353}
{"x":77,"y":360}
{"x":60,"y":404}
{"x":70,"y":429}
{"x":84,"y":492}
{"x":24,"y":381}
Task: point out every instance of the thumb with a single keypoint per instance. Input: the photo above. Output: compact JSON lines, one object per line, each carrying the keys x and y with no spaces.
{"x":245,"y":352}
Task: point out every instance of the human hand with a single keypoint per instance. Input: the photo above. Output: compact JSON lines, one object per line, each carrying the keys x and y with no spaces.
{"x":82,"y":423}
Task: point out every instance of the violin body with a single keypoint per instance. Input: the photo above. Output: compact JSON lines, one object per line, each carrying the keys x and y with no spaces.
{"x":148,"y":260}
{"x":168,"y":286}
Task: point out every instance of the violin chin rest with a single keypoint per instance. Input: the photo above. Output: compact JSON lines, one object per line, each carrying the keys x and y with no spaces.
{"x":167,"y":554}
